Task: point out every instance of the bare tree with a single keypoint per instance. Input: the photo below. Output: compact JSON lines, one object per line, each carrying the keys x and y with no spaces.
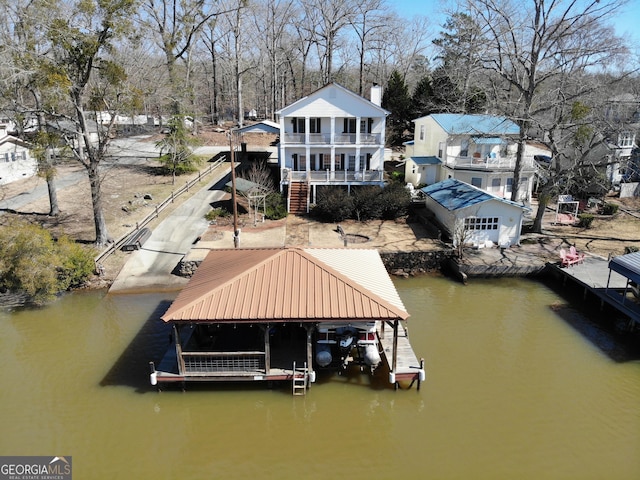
{"x":368,"y":19}
{"x":329,"y":18}
{"x":176,"y":26}
{"x":533,"y":43}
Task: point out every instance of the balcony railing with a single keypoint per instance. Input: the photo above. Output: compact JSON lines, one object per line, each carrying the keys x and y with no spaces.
{"x":489,"y":163}
{"x":329,"y":177}
{"x":338,"y":139}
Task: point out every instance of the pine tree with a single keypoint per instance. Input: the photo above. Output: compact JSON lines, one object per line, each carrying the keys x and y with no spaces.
{"x":397,"y":100}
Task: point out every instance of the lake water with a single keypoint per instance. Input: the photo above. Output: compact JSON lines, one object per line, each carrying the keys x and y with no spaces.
{"x":514,"y":389}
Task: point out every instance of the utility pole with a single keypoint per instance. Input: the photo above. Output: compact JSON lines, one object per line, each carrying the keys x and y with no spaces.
{"x":236,"y":230}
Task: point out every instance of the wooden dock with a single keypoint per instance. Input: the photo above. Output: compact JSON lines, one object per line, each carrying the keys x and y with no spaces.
{"x":407,"y":366}
{"x":594,"y":275}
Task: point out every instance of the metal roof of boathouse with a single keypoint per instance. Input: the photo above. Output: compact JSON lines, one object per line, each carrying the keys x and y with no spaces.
{"x":290,"y":284}
{"x":627,"y":265}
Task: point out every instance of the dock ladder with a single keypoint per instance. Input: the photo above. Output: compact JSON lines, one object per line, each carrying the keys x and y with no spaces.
{"x":300,"y":379}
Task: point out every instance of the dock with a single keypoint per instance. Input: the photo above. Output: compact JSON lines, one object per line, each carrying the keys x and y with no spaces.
{"x":612,"y":288}
{"x":407,"y":366}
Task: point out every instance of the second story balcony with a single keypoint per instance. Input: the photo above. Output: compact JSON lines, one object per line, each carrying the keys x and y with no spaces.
{"x":338,"y":139}
{"x":497,"y":162}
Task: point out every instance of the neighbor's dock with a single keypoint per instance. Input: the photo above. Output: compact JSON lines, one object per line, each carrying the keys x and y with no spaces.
{"x":407,"y":366}
{"x":594,"y":275}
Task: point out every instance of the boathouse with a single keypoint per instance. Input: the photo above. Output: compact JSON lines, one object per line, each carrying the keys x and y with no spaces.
{"x":283,"y":314}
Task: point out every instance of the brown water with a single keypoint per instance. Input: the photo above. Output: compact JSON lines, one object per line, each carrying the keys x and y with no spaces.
{"x":512,"y":391}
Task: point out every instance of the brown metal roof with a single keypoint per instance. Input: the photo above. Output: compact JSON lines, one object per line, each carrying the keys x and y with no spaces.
{"x":249,"y":285}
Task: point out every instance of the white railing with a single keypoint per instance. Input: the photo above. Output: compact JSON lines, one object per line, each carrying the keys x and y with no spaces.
{"x":507,"y":163}
{"x":338,"y":139}
{"x":319,"y":138}
{"x":338,"y":176}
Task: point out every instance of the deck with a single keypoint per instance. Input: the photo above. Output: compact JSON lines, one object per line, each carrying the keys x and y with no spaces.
{"x":594,"y":275}
{"x":408,"y":367}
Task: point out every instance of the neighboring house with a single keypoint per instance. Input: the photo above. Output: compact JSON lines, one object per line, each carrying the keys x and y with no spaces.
{"x":473,"y":216}
{"x":264,"y":126}
{"x":249,"y":314}
{"x":422,"y":170}
{"x":615,"y":156}
{"x":476,"y":149}
{"x":68,"y":130}
{"x":330,"y":137}
{"x":16,"y":161}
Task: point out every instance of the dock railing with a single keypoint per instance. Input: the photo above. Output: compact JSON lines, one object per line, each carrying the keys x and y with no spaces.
{"x":115,"y":246}
{"x":224,"y":362}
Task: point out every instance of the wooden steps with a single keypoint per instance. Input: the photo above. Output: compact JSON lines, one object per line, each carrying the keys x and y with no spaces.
{"x":298,"y":194}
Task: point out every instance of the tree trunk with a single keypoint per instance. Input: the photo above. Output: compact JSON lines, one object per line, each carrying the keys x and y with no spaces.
{"x":54,"y":209}
{"x":102,"y":236}
{"x":543,"y":201}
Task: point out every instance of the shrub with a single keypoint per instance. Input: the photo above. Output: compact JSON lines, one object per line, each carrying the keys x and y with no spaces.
{"x":32,"y":262}
{"x":585,"y":220}
{"x":609,"y":209}
{"x":76,"y":263}
{"x":216,"y":213}
{"x":631,"y":249}
{"x":276,"y":206}
{"x":333,"y":205}
{"x":366,"y":202}
{"x":394,"y":200}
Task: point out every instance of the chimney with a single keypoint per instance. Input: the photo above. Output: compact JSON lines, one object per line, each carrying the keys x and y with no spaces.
{"x":376,"y":94}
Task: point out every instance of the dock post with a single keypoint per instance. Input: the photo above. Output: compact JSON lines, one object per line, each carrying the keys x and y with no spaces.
{"x":421,"y":369}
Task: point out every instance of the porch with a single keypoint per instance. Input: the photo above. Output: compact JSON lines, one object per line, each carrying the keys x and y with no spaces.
{"x":332,"y":177}
{"x":496,"y":162}
{"x":332,"y":139}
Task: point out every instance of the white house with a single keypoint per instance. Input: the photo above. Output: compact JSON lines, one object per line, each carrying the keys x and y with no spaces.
{"x":474,"y":216}
{"x":16,"y":161}
{"x":476,"y":149}
{"x":330,"y":137}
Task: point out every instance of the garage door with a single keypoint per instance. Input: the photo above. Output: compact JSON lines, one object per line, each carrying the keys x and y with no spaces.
{"x":481,"y":229}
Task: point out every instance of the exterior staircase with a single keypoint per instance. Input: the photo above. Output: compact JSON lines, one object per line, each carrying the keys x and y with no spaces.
{"x":298,"y":195}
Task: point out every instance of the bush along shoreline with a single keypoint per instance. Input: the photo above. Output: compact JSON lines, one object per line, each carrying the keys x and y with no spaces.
{"x":35,"y":267}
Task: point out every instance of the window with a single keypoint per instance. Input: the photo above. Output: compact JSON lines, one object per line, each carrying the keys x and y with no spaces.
{"x":476,"y":182}
{"x":481,"y":223}
{"x":314,"y":125}
{"x":421,"y":132}
{"x":509,"y":187}
{"x":464,"y":148}
{"x":298,"y":125}
{"x":340,"y":162}
{"x":625,"y":139}
{"x":326,"y":161}
{"x":440,"y":149}
{"x":352,"y":163}
{"x":495,"y":184}
{"x":349,"y":125}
